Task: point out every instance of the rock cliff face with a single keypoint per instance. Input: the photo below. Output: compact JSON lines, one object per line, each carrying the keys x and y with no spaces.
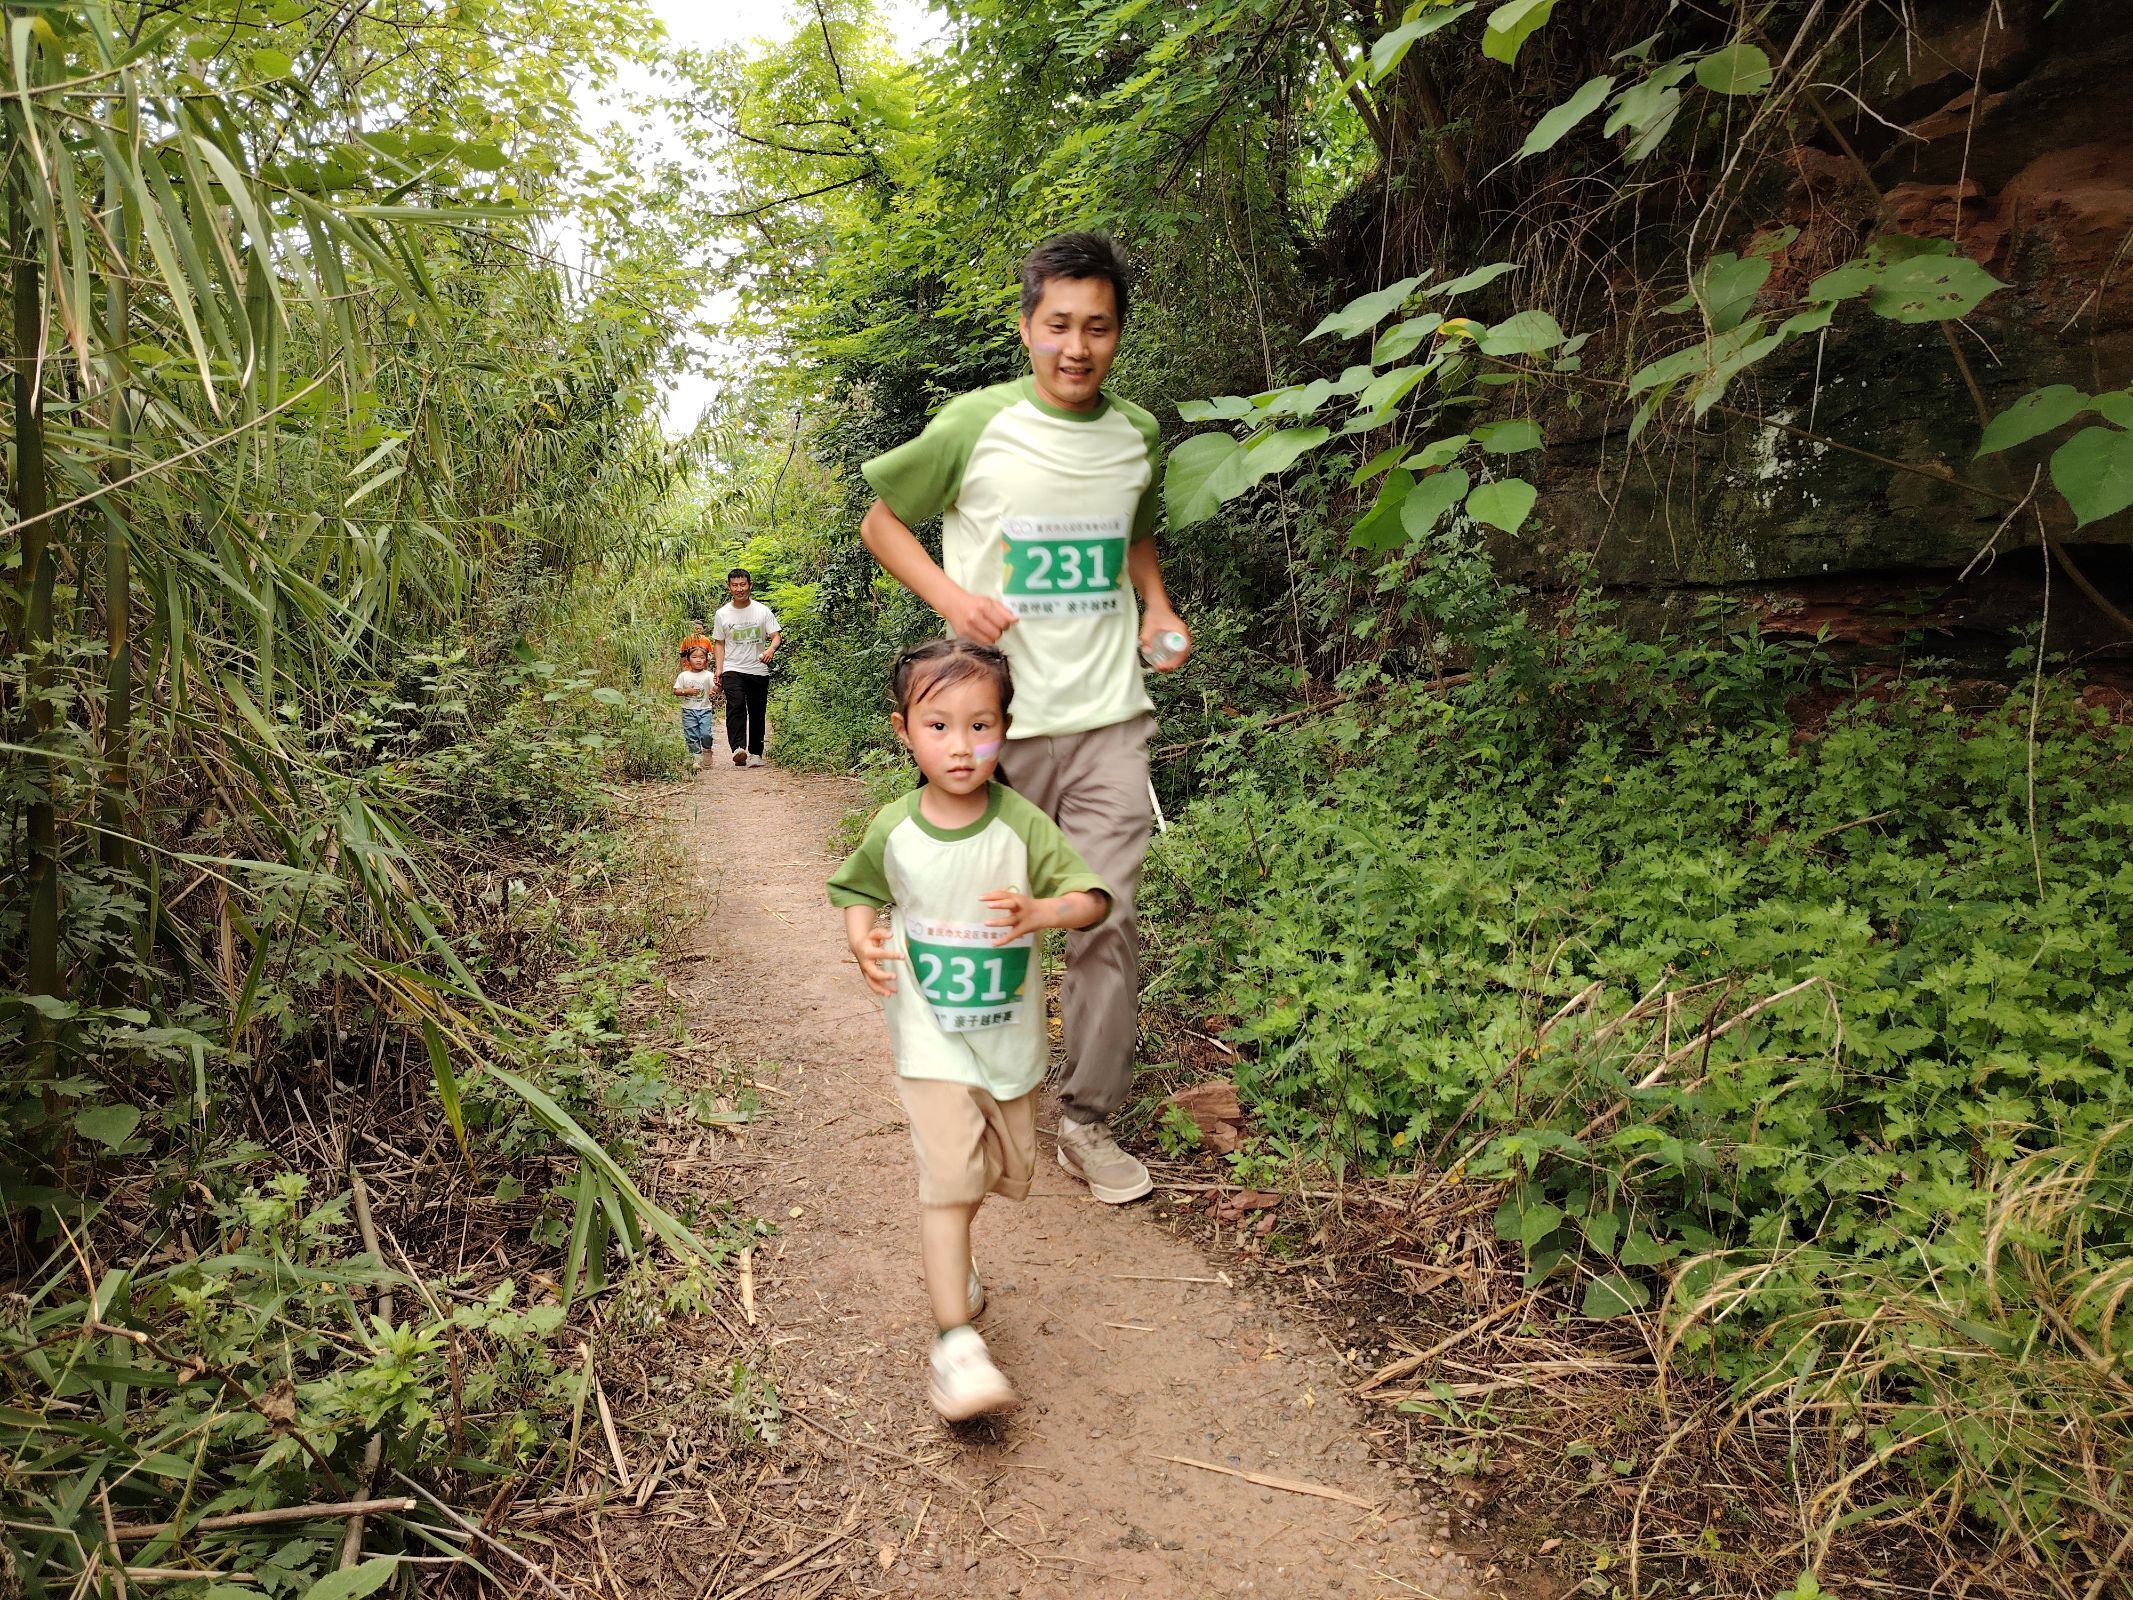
{"x":2007,"y":129}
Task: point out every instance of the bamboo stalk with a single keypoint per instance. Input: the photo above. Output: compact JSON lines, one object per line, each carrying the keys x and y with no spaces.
{"x":374,"y":1446}
{"x":32,"y":498}
{"x":141,"y":1532}
{"x":113,"y":847}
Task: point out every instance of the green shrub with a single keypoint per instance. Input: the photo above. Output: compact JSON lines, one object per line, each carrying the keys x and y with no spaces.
{"x":651,"y":748}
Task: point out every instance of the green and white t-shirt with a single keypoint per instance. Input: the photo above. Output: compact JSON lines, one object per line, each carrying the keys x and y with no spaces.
{"x":1037,"y":507}
{"x":965,"y":1009}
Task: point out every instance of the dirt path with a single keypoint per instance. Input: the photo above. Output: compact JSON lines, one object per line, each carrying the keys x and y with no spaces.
{"x":1126,"y":1344}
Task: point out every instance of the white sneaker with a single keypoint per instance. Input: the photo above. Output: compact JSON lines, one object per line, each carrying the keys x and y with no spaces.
{"x":757,"y":761}
{"x":974,"y":1294}
{"x":964,"y":1383}
{"x":1087,"y":1150}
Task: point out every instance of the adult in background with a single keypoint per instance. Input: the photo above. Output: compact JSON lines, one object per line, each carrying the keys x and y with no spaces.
{"x":1047,"y":488}
{"x":744,"y":636}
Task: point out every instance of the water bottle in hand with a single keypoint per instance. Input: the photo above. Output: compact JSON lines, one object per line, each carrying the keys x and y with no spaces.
{"x":1166,"y":649}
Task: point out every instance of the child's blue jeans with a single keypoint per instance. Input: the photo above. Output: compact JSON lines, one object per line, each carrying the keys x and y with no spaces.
{"x":696,"y":731}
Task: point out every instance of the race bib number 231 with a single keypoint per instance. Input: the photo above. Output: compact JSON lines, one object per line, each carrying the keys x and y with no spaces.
{"x":970,"y":982}
{"x":1064,"y":566}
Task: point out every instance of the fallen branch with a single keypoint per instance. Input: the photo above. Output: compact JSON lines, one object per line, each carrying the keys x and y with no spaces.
{"x":1268,"y":1481}
{"x":539,"y":1572}
{"x":784,"y":1567}
{"x":1421,"y":1359}
{"x":614,"y":1442}
{"x":374,"y":1446}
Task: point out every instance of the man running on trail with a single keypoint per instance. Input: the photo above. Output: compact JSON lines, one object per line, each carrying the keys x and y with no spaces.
{"x":1048,"y":489}
{"x":744,"y":636}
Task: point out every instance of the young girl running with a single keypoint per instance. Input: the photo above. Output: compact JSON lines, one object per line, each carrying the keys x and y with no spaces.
{"x":695,"y":686}
{"x":970,"y":873}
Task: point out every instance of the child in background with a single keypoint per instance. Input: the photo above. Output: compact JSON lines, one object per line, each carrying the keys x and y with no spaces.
{"x":695,"y":686}
{"x":970,"y":872}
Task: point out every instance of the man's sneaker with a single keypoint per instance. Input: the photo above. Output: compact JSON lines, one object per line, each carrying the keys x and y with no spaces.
{"x":964,"y":1382}
{"x":757,"y":761}
{"x":740,"y":758}
{"x":974,"y":1294}
{"x":1087,"y":1150}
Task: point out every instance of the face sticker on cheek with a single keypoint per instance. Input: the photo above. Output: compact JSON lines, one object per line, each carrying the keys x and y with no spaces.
{"x":986,"y":752}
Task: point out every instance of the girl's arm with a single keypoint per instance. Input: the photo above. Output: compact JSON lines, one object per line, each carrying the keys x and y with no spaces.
{"x":870,"y":948}
{"x":1022,"y":914}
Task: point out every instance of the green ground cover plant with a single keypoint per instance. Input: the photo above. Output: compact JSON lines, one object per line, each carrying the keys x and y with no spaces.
{"x":1797,"y":1014}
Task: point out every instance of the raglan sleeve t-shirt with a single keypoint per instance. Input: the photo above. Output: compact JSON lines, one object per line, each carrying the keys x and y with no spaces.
{"x":1038,"y":506}
{"x":965,"y":1009}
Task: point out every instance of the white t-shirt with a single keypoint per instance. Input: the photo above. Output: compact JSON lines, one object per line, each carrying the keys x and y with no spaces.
{"x":744,"y":630}
{"x":699,"y":686}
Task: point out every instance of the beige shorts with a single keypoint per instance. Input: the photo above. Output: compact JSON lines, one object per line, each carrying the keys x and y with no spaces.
{"x":969,"y":1144}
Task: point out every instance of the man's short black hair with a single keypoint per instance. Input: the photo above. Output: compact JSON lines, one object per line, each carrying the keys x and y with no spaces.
{"x":741,"y":572}
{"x":1074,"y":255}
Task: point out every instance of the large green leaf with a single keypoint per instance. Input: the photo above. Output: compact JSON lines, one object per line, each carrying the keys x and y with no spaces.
{"x":1511,"y":25}
{"x":1647,"y":100}
{"x":1379,"y":528}
{"x":1727,"y":357}
{"x":1479,"y":278}
{"x":1377,"y":466}
{"x":1430,"y":499}
{"x":2094,"y":470}
{"x":1402,"y":338}
{"x":1931,"y":288}
{"x":109,"y":1126}
{"x":1222,"y":408}
{"x":1524,"y":333}
{"x":1438,"y":452}
{"x":1503,"y":504}
{"x":1366,"y":311}
{"x":1910,"y":280}
{"x":1527,"y":1219}
{"x":1508,"y":437}
{"x":1737,"y":69}
{"x":1390,"y":387}
{"x":1267,"y":455}
{"x":1649,"y":109}
{"x":1390,"y":49}
{"x":2039,"y":411}
{"x":352,"y":1583}
{"x":1726,"y":288}
{"x":1548,"y":132}
{"x":1611,"y":1294}
{"x":1189,"y":491}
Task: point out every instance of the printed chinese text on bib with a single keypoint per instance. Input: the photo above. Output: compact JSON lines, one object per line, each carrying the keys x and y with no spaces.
{"x":1063,"y":566}
{"x":970,"y":982}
